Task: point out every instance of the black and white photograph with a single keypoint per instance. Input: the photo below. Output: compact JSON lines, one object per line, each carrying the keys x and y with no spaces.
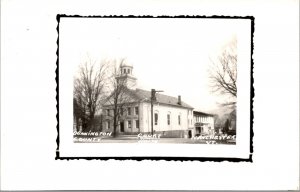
{"x":147,"y":95}
{"x":156,"y":80}
{"x":109,"y":100}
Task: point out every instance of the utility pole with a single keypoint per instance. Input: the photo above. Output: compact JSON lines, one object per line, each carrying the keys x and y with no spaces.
{"x":153,"y":98}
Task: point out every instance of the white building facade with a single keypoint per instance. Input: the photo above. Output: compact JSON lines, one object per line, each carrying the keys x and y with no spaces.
{"x":204,"y":123}
{"x":170,"y":119}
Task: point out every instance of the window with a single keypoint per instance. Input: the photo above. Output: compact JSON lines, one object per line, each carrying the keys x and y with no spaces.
{"x":124,"y":71}
{"x":121,"y":111}
{"x":107,"y":111}
{"x":168,"y":119}
{"x":137,"y":124}
{"x":108,"y":125}
{"x":136,"y":110}
{"x":155,"y":119}
{"x":129,"y":111}
{"x":128,"y":71}
{"x":129,"y":124}
{"x":178,"y":119}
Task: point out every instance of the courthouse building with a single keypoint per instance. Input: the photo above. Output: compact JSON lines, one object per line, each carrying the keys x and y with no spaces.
{"x":172,"y":117}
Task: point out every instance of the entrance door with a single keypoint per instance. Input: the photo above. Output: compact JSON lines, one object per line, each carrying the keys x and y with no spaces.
{"x":122,"y":126}
{"x":190,"y":133}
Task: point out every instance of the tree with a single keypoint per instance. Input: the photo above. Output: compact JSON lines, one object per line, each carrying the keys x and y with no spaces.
{"x":88,"y":92}
{"x":227,"y":125}
{"x":120,"y":96}
{"x":223,"y":72}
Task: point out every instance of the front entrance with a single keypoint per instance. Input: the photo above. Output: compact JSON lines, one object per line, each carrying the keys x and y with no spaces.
{"x":190,"y":133}
{"x":122,"y":126}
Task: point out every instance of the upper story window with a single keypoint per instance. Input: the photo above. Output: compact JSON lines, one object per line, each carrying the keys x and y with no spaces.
{"x":107,"y":111}
{"x":136,"y":110}
{"x":179,"y":119}
{"x":129,"y":111}
{"x":122,"y":111}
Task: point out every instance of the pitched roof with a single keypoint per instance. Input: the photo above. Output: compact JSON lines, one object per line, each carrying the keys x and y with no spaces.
{"x":144,"y":95}
{"x":202,"y":113}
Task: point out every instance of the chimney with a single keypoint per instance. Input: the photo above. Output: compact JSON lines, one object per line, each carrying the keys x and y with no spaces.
{"x":179,"y":100}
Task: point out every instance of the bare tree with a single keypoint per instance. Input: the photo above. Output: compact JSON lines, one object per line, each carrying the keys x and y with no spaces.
{"x":120,"y":97}
{"x":223,"y":76}
{"x":223,"y":72}
{"x":88,"y":92}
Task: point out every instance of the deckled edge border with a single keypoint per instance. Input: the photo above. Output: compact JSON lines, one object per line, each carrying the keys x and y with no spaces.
{"x":156,"y":158}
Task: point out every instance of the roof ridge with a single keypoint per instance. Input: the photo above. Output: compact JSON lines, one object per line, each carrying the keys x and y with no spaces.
{"x":165,"y":99}
{"x":157,"y":93}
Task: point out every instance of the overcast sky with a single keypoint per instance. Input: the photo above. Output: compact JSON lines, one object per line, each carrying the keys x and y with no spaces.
{"x":167,"y":54}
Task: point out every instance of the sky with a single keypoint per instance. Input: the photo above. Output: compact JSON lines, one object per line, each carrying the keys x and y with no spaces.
{"x":167,"y":54}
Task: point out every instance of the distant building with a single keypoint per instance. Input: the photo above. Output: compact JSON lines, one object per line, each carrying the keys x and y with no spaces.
{"x":171,"y":116}
{"x":204,"y":123}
